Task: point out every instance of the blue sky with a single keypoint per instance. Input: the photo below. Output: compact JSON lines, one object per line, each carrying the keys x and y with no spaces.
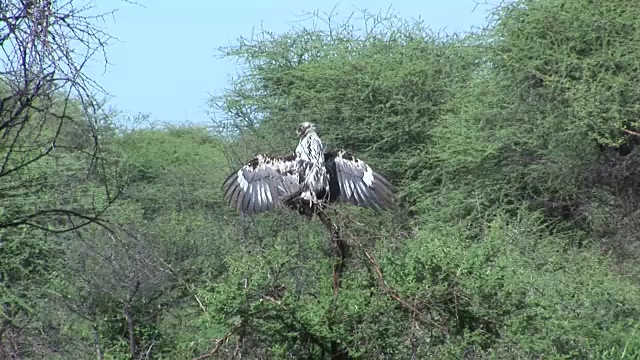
{"x":165,"y":62}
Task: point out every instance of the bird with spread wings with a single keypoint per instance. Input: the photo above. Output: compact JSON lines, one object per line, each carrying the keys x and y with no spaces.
{"x":307,"y":180}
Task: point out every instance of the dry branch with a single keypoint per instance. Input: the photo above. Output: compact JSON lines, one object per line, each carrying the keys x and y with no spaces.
{"x":631,"y":132}
{"x":44,"y":94}
{"x":217,"y":347}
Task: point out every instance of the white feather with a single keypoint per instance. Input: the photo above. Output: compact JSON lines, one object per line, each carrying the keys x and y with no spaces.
{"x":348,"y":189}
{"x":242,"y":181}
{"x":268,"y":193}
{"x":368,"y":176}
{"x":259,"y":197}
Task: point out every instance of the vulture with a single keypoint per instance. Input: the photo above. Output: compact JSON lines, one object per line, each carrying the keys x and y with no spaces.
{"x":307,"y":180}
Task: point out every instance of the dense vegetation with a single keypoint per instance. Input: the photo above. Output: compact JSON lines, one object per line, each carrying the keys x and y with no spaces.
{"x":513,"y":149}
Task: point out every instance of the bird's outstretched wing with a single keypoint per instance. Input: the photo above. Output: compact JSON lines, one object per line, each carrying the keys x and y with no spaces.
{"x":260,"y":185}
{"x":352,"y":181}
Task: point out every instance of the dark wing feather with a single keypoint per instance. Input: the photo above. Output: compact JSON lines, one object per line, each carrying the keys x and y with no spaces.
{"x":352,"y":181}
{"x":260,"y":185}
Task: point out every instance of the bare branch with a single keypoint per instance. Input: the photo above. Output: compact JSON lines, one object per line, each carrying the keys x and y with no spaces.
{"x":45,"y":97}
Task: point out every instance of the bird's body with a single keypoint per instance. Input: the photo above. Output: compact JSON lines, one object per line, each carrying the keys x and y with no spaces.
{"x":312,"y":173}
{"x":307,"y":180}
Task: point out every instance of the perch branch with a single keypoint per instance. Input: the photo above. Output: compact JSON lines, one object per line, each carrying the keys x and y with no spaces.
{"x":338,"y":250}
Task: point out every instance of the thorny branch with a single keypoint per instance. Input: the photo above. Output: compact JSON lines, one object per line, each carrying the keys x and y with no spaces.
{"x":45,"y":95}
{"x":134,"y":278}
{"x":391,"y":292}
{"x":338,"y":249}
{"x":339,"y":252}
{"x":48,"y":110}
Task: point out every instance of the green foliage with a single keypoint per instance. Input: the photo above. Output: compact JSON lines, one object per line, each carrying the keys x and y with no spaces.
{"x":481,"y":133}
{"x":593,"y":77}
{"x":52,"y":181}
{"x":169,"y":240}
{"x":178,"y":162}
{"x":514,"y":152}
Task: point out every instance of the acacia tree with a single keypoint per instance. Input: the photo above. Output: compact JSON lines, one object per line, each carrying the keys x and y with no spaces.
{"x":55,"y":172}
{"x":48,"y":110}
{"x":473,"y":150}
{"x":376,"y":91}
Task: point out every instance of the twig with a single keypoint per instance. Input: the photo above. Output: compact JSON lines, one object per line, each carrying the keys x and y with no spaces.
{"x":390,"y":291}
{"x":412,"y":337}
{"x":217,"y":347}
{"x":96,"y":341}
{"x":43,"y":77}
{"x":148,"y":352}
{"x":204,"y":310}
{"x":393,"y":292}
{"x":631,"y":132}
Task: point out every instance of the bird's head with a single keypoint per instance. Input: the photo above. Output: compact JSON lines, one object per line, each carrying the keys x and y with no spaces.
{"x":305,"y":129}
